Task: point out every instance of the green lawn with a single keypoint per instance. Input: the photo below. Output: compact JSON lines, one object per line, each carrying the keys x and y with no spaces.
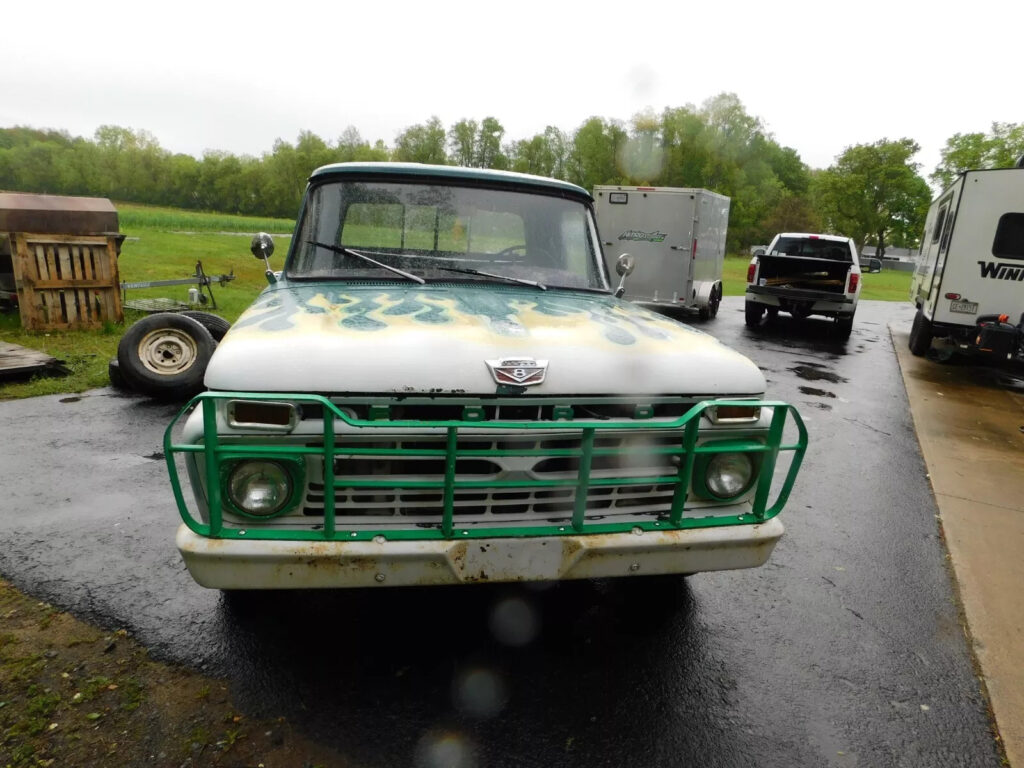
{"x":160,"y":244}
{"x":163,"y":244}
{"x":887,"y":285}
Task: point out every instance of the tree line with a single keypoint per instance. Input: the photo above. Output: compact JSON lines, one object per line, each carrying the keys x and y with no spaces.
{"x":873,"y":192}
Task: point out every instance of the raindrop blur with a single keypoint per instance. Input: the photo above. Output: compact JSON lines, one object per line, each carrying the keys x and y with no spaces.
{"x":479,"y":693}
{"x":641,"y":159}
{"x":444,"y":749}
{"x":514,"y":622}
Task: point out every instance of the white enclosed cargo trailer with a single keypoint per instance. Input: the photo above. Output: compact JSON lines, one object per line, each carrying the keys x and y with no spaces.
{"x":969,"y":282}
{"x":677,"y":237}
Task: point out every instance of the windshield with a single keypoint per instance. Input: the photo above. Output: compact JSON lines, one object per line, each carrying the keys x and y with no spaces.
{"x":354,"y":230}
{"x":816,"y":247}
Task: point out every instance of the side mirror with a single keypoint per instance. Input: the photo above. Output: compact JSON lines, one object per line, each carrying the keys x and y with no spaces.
{"x":759,"y":252}
{"x":624,"y":267}
{"x":262,"y":247}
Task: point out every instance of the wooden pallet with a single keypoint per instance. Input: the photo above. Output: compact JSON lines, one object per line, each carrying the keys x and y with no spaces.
{"x":66,"y":282}
{"x":21,"y":363}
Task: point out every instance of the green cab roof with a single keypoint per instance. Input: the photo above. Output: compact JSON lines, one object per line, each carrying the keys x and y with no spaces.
{"x":452,"y":172}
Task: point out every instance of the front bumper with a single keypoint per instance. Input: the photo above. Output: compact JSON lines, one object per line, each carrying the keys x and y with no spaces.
{"x":275,"y":564}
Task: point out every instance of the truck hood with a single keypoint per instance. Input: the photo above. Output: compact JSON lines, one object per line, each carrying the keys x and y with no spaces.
{"x":437,"y":339}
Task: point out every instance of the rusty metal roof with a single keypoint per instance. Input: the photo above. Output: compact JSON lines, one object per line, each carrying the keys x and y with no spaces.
{"x":57,"y":214}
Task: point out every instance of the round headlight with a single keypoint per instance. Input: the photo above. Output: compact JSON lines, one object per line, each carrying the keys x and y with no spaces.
{"x":260,"y":488}
{"x":729,"y":474}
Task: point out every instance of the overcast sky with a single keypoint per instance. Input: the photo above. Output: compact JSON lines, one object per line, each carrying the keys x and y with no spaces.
{"x":208,"y":75}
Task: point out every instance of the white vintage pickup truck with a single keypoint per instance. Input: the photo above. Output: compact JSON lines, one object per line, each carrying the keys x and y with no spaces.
{"x":441,"y":386}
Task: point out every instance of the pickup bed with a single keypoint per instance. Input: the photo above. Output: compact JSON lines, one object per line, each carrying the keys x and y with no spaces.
{"x":805,"y":274}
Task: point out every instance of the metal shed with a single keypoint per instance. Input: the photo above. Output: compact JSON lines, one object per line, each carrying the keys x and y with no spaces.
{"x":58,"y":260}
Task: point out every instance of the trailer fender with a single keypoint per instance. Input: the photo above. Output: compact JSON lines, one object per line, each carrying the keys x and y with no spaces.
{"x":707,"y":297}
{"x":704,"y":290}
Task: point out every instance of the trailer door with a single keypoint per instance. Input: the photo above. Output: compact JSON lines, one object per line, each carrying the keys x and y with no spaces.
{"x":656,"y":228}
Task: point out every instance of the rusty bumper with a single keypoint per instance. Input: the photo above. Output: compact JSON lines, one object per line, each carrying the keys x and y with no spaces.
{"x":266,"y":564}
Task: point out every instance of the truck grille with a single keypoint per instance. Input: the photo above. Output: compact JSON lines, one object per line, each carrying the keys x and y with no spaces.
{"x":359,"y":476}
{"x":511,"y":458}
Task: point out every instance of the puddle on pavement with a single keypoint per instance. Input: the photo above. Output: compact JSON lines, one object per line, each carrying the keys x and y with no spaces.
{"x":816,"y":392}
{"x":816,"y":372}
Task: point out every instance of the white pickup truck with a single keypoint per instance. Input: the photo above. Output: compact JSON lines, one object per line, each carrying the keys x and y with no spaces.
{"x":443,"y":386}
{"x":805,"y":274}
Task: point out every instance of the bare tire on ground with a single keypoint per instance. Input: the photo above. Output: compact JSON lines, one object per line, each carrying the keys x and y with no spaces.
{"x":116,"y":379}
{"x":215,"y":324}
{"x":920,"y":334}
{"x":753,"y":312}
{"x":165,"y":356}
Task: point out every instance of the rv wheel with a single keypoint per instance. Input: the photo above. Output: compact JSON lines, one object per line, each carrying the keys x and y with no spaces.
{"x":165,"y":356}
{"x":920,"y":334}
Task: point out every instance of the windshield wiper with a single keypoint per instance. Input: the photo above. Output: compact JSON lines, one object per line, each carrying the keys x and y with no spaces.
{"x":349,"y":252}
{"x":521,"y":280}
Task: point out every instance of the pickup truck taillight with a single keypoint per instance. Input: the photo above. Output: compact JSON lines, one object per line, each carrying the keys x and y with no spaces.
{"x":854,"y":279}
{"x":750,"y":272}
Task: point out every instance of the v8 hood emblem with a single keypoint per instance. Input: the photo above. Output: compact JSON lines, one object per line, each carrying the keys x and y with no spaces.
{"x":520,"y":371}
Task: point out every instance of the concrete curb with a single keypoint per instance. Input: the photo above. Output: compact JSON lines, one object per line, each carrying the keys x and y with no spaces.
{"x":971,"y":432}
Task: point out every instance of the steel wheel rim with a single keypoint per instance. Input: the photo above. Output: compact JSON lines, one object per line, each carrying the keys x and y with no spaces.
{"x":168,"y":351}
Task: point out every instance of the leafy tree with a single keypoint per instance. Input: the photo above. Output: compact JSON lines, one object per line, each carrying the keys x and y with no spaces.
{"x":422,"y":143}
{"x":488,"y":145}
{"x":1000,"y":148}
{"x":462,"y":138}
{"x":532,"y":156}
{"x":792,"y":213}
{"x":595,"y":147}
{"x":874,"y":194}
{"x":352,"y":147}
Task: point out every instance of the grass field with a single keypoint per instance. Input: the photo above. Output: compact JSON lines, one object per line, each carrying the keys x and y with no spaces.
{"x":165,"y":243}
{"x":160,"y":244}
{"x":887,"y":285}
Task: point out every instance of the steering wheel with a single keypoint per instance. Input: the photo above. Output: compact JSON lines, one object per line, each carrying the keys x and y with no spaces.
{"x":540,"y":256}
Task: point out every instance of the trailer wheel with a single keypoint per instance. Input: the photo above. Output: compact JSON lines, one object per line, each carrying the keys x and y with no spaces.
{"x":752,"y":312}
{"x":920,"y":334}
{"x":711,"y":310}
{"x":165,"y":356}
{"x":215,"y":324}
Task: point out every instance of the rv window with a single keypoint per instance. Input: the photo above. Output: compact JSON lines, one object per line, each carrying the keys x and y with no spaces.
{"x":938,"y":224}
{"x":947,"y":233}
{"x":1009,"y":240}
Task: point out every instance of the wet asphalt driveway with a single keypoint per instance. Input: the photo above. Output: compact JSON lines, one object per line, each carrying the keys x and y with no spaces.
{"x":845,"y":650}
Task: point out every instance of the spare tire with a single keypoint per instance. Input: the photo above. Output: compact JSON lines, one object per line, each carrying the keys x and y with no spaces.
{"x":116,"y":379}
{"x":215,"y":324}
{"x":165,"y":356}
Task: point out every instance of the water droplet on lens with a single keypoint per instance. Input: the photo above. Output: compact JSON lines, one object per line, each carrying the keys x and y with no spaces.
{"x":479,"y":692}
{"x":444,"y":749}
{"x":514,"y":622}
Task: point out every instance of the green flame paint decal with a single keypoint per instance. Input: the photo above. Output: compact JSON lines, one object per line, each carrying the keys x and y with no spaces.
{"x":502,"y":310}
